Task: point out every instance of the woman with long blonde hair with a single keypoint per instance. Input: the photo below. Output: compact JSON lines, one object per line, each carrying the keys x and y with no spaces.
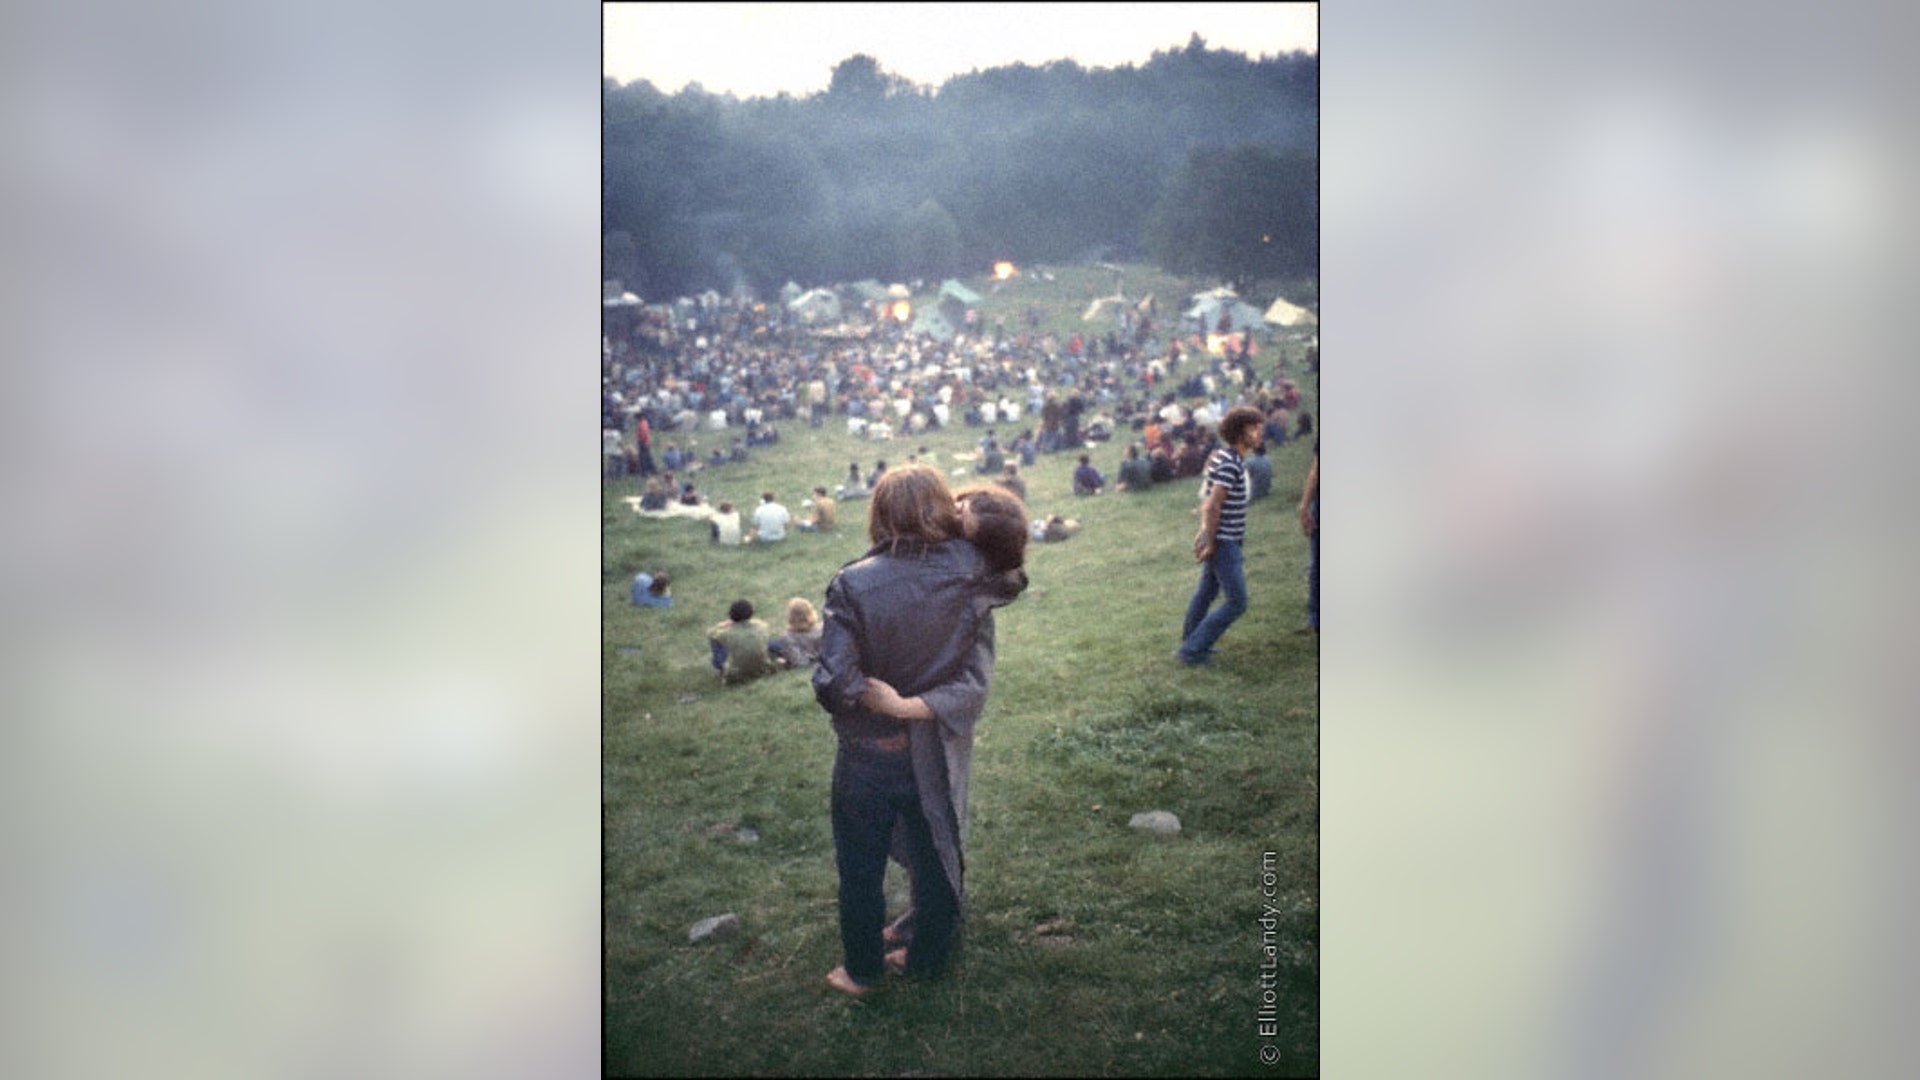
{"x":800,"y":645}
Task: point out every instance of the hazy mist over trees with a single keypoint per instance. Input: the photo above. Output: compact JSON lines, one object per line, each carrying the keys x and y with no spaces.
{"x":1202,"y":160}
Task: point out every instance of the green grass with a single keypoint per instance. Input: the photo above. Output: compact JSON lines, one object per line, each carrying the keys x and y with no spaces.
{"x":1090,"y":721}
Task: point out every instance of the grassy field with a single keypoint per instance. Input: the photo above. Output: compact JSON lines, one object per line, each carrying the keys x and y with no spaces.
{"x":1091,"y":948}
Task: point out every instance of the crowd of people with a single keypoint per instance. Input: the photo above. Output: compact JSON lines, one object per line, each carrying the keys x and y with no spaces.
{"x":733,"y":371}
{"x":669,"y":374}
{"x":901,"y":652}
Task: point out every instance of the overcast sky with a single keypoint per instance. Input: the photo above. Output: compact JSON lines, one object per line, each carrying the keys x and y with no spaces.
{"x":755,"y":50}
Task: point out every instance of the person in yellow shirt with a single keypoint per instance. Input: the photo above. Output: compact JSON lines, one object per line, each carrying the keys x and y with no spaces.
{"x":820,"y":513}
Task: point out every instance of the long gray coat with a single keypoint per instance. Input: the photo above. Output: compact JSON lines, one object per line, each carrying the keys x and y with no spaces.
{"x":919,"y":617}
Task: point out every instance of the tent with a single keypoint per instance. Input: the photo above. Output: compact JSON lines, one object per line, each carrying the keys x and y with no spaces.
{"x":869,"y":289}
{"x":819,"y":305}
{"x":899,"y":292}
{"x":625,"y":299}
{"x":1240,"y":316}
{"x":930,"y":322}
{"x":790,"y":292}
{"x":952,"y":287}
{"x":1285,"y":314}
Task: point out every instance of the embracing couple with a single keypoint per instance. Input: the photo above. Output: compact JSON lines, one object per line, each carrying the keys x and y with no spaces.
{"x":906,"y":660}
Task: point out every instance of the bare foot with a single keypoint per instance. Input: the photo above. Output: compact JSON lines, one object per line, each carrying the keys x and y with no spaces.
{"x":843,"y":982}
{"x":897,"y":961}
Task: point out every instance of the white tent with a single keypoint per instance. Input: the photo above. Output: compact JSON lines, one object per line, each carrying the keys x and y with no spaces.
{"x":1206,"y":312}
{"x":929,"y":321}
{"x":952,"y":287}
{"x":819,"y":305}
{"x":1285,"y":314}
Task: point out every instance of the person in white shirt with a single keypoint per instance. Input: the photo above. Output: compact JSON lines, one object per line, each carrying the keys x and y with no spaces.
{"x":724,"y":525}
{"x":769,"y":520}
{"x":616,"y":452}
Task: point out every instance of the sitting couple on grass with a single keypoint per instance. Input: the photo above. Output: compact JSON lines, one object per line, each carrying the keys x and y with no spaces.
{"x":742,"y":649}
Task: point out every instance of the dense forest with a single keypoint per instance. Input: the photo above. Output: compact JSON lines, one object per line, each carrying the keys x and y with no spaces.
{"x":1202,"y":160}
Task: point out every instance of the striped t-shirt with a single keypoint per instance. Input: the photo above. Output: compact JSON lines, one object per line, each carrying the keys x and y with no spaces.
{"x":1227,"y":468}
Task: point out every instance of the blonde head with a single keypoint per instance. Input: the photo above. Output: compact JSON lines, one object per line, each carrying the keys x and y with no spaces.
{"x":800,"y":615}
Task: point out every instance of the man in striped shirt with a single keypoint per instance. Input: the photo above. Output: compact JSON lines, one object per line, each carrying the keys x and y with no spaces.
{"x":1223,"y":525}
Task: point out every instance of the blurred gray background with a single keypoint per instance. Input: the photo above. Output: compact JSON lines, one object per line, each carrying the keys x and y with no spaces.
{"x":301,"y":557}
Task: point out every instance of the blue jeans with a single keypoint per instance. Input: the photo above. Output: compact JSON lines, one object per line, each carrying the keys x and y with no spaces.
{"x":1222,"y":576}
{"x":1313,"y":571}
{"x":871,"y":790}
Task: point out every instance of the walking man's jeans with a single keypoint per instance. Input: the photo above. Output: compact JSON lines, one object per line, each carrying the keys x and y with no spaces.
{"x":1221,"y":577}
{"x":1313,"y":575}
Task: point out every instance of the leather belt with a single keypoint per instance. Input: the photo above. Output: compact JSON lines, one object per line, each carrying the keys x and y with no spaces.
{"x":890,"y":744}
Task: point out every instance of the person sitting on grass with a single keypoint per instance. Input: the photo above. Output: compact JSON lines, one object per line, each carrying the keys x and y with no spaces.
{"x":724,"y":526}
{"x":820,"y":513}
{"x":1010,"y":479}
{"x":769,"y":521}
{"x":991,"y":459}
{"x":1259,"y":473}
{"x":1087,"y":479}
{"x":1191,"y":461}
{"x":853,"y":487}
{"x":1160,"y":465}
{"x":800,"y":645}
{"x":1136,"y":474}
{"x":740,"y":645}
{"x":1026,"y":448}
{"x":655,"y":497}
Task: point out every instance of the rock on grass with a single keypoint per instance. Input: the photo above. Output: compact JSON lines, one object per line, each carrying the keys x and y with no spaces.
{"x":718,"y":928}
{"x":1156,"y":821}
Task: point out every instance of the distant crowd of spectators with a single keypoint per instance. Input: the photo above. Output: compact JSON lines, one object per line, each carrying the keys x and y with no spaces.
{"x":671,"y":373}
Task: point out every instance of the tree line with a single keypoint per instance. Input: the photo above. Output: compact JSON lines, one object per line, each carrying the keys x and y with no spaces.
{"x":1201,"y":160}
